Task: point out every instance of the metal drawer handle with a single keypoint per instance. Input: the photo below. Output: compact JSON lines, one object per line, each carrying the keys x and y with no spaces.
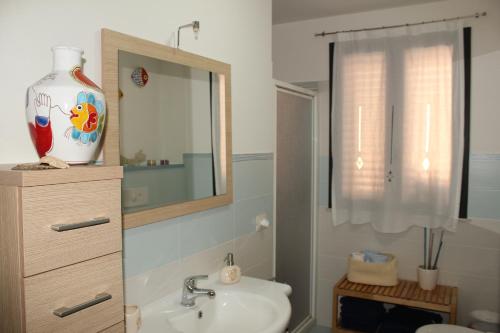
{"x":64,"y":311}
{"x":93,"y":222}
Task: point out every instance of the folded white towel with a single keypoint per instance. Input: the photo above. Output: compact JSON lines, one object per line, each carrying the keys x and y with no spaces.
{"x":358,"y":256}
{"x":372,"y":256}
{"x":369,"y":256}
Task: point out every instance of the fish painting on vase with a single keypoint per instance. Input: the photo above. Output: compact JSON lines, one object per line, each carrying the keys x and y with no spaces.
{"x":66,"y":111}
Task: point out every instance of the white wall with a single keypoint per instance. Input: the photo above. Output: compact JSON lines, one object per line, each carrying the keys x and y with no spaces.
{"x":233,"y":31}
{"x":169,"y":116}
{"x":140,"y":108}
{"x":198,"y":120}
{"x":471,"y":257}
{"x":237,"y":32}
{"x":174,"y":101}
{"x":300,"y":57}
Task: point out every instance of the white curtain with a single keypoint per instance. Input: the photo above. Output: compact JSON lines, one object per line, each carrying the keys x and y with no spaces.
{"x":397,"y":127}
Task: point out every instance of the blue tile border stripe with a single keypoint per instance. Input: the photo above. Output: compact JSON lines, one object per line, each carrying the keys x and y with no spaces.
{"x":236,"y":157}
{"x":252,"y":157}
{"x":485,"y":157}
{"x":197,"y":154}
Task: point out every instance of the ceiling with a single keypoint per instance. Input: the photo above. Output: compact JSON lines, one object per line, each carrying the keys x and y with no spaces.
{"x":298,"y":10}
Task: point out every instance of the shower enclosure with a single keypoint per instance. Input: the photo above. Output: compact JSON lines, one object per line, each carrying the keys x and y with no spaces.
{"x":295,"y":199}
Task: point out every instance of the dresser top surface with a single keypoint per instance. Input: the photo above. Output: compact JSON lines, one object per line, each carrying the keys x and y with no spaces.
{"x":74,"y":174}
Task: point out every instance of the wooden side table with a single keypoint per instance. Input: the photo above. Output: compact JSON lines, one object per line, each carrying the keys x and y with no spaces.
{"x":408,"y":293}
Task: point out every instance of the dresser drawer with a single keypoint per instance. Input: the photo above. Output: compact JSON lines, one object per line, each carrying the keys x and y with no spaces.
{"x":118,"y":328}
{"x":67,"y":287}
{"x":45,"y":208}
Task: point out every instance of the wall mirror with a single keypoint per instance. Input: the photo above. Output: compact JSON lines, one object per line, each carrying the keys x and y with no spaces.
{"x":169,"y":126}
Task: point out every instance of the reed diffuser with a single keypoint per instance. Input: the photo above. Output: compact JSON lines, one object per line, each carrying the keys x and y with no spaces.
{"x":428,"y":272}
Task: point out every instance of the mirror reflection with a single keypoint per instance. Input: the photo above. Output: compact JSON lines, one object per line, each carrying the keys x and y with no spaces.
{"x":170,"y":133}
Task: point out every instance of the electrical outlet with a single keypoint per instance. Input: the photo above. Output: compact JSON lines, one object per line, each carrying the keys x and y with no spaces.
{"x":135,"y":196}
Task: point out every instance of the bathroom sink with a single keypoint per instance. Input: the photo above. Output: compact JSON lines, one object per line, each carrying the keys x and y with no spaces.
{"x":250,"y":306}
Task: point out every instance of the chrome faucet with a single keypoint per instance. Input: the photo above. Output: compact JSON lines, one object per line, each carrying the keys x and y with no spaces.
{"x":190,"y":292}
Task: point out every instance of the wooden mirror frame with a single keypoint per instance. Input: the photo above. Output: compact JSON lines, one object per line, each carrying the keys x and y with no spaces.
{"x":111,"y":43}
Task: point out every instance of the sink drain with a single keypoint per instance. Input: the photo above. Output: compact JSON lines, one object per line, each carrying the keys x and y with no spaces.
{"x":200,"y":314}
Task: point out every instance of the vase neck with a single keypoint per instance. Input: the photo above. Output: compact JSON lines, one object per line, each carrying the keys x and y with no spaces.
{"x":66,"y":58}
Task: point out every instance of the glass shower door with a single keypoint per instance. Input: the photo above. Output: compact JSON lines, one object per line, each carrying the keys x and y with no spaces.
{"x":294,"y":183}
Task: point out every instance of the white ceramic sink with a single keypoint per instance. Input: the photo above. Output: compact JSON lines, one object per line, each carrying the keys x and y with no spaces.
{"x":250,"y":306}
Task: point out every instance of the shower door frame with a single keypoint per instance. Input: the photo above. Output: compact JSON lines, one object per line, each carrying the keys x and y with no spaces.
{"x":313,"y":96}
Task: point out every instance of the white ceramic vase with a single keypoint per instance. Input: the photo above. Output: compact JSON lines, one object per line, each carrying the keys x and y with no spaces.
{"x":66,"y":111}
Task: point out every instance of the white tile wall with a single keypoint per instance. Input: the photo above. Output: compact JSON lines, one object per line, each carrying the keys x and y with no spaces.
{"x":253,"y":253}
{"x":470,"y":260}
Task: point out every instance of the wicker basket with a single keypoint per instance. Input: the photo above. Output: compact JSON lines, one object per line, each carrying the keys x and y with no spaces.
{"x":379,"y":274}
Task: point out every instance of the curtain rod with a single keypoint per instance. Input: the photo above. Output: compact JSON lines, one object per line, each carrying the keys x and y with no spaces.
{"x":476,"y":15}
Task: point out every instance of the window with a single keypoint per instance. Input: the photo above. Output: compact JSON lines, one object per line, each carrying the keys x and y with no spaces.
{"x":427,"y":121}
{"x":397,"y":131}
{"x":363,"y":128}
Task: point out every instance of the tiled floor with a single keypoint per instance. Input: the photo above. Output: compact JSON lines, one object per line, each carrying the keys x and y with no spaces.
{"x":320,"y":329}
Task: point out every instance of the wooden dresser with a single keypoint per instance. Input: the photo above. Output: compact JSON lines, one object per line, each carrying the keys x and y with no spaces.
{"x":61,"y":250}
